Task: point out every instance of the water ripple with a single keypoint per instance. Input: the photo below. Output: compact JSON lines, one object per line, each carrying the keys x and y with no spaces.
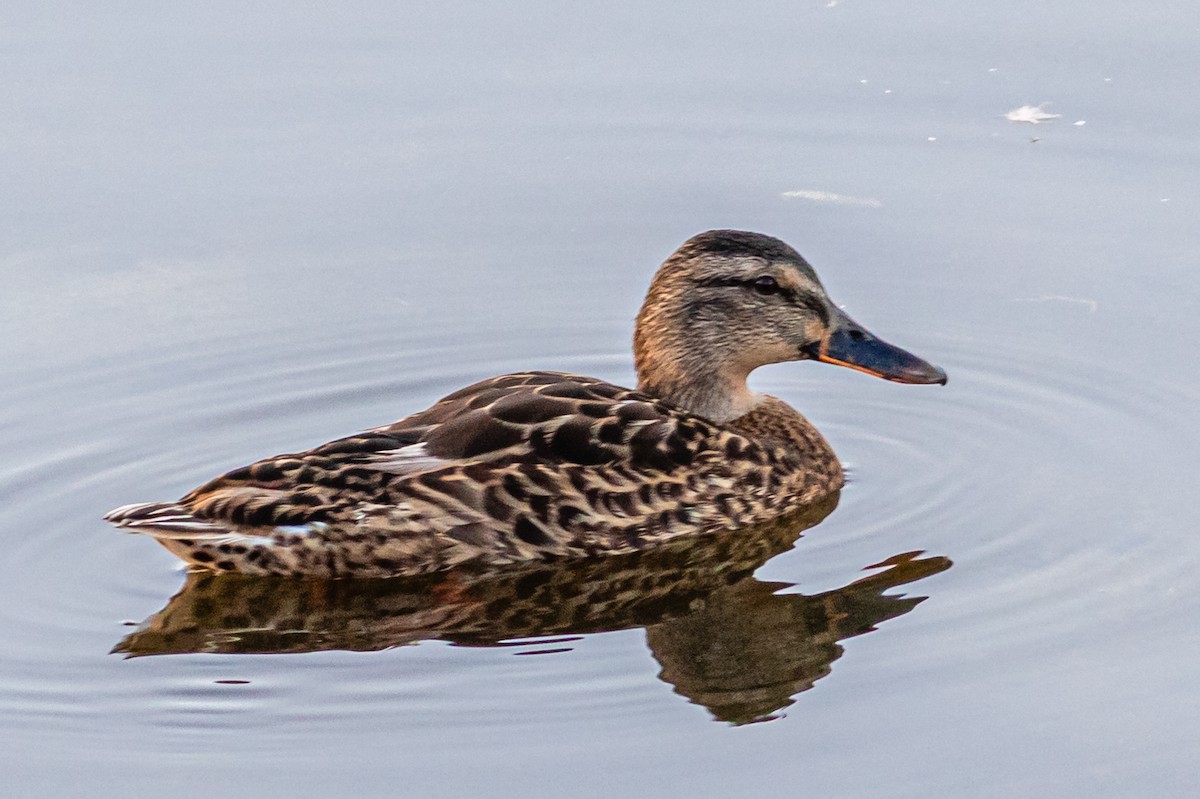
{"x":972,"y":471}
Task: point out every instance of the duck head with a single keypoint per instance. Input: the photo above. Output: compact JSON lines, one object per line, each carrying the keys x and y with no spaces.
{"x":730,"y":301}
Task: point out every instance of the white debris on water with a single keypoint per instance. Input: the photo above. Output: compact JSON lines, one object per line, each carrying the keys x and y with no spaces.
{"x":1032,"y":114}
{"x":831,"y":198}
{"x":1092,"y":305}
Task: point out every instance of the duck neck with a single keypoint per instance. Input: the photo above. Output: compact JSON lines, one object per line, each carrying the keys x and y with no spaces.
{"x":691,"y":370}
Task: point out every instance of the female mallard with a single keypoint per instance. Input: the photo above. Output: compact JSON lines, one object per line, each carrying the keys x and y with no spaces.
{"x":537,"y":465}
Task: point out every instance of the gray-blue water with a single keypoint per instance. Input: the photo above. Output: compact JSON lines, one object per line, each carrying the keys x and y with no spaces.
{"x":229,"y":232}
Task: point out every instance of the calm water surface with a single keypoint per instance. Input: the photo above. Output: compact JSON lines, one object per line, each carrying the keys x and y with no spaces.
{"x":230,"y":233}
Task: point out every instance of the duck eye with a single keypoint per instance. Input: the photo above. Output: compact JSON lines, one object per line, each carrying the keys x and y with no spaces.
{"x":766,"y":285}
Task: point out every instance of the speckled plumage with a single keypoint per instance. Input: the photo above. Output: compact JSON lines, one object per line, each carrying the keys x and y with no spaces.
{"x":541,"y":465}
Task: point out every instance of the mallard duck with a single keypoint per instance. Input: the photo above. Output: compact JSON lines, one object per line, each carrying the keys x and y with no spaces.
{"x":541,"y":465}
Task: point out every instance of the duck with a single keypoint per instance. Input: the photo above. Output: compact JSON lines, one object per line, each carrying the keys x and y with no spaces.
{"x":541,"y":466}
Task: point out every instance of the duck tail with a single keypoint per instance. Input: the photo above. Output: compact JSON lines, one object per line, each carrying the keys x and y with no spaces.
{"x":198,"y":542}
{"x":162,"y":520}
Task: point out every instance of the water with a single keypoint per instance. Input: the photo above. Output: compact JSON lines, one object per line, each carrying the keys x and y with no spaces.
{"x":229,"y":232}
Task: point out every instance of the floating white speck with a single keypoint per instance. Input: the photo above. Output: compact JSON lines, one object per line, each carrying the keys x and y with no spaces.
{"x":832,"y":199}
{"x":863,"y":81}
{"x":887,"y":91}
{"x":931,"y":138}
{"x":993,"y":69}
{"x":1165,"y":200}
{"x":1079,"y":123}
{"x":1033,"y":114}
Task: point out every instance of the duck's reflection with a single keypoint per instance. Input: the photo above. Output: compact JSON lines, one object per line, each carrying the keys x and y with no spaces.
{"x":724,"y":640}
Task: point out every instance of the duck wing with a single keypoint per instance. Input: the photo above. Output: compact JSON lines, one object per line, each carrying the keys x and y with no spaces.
{"x":552,"y":418}
{"x":548,"y":423}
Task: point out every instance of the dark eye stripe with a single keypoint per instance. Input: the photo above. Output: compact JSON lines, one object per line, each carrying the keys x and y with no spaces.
{"x":723,"y":281}
{"x":810,"y":302}
{"x":782,"y":291}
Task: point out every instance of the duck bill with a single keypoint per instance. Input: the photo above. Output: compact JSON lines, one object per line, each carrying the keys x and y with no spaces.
{"x":852,"y":345}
